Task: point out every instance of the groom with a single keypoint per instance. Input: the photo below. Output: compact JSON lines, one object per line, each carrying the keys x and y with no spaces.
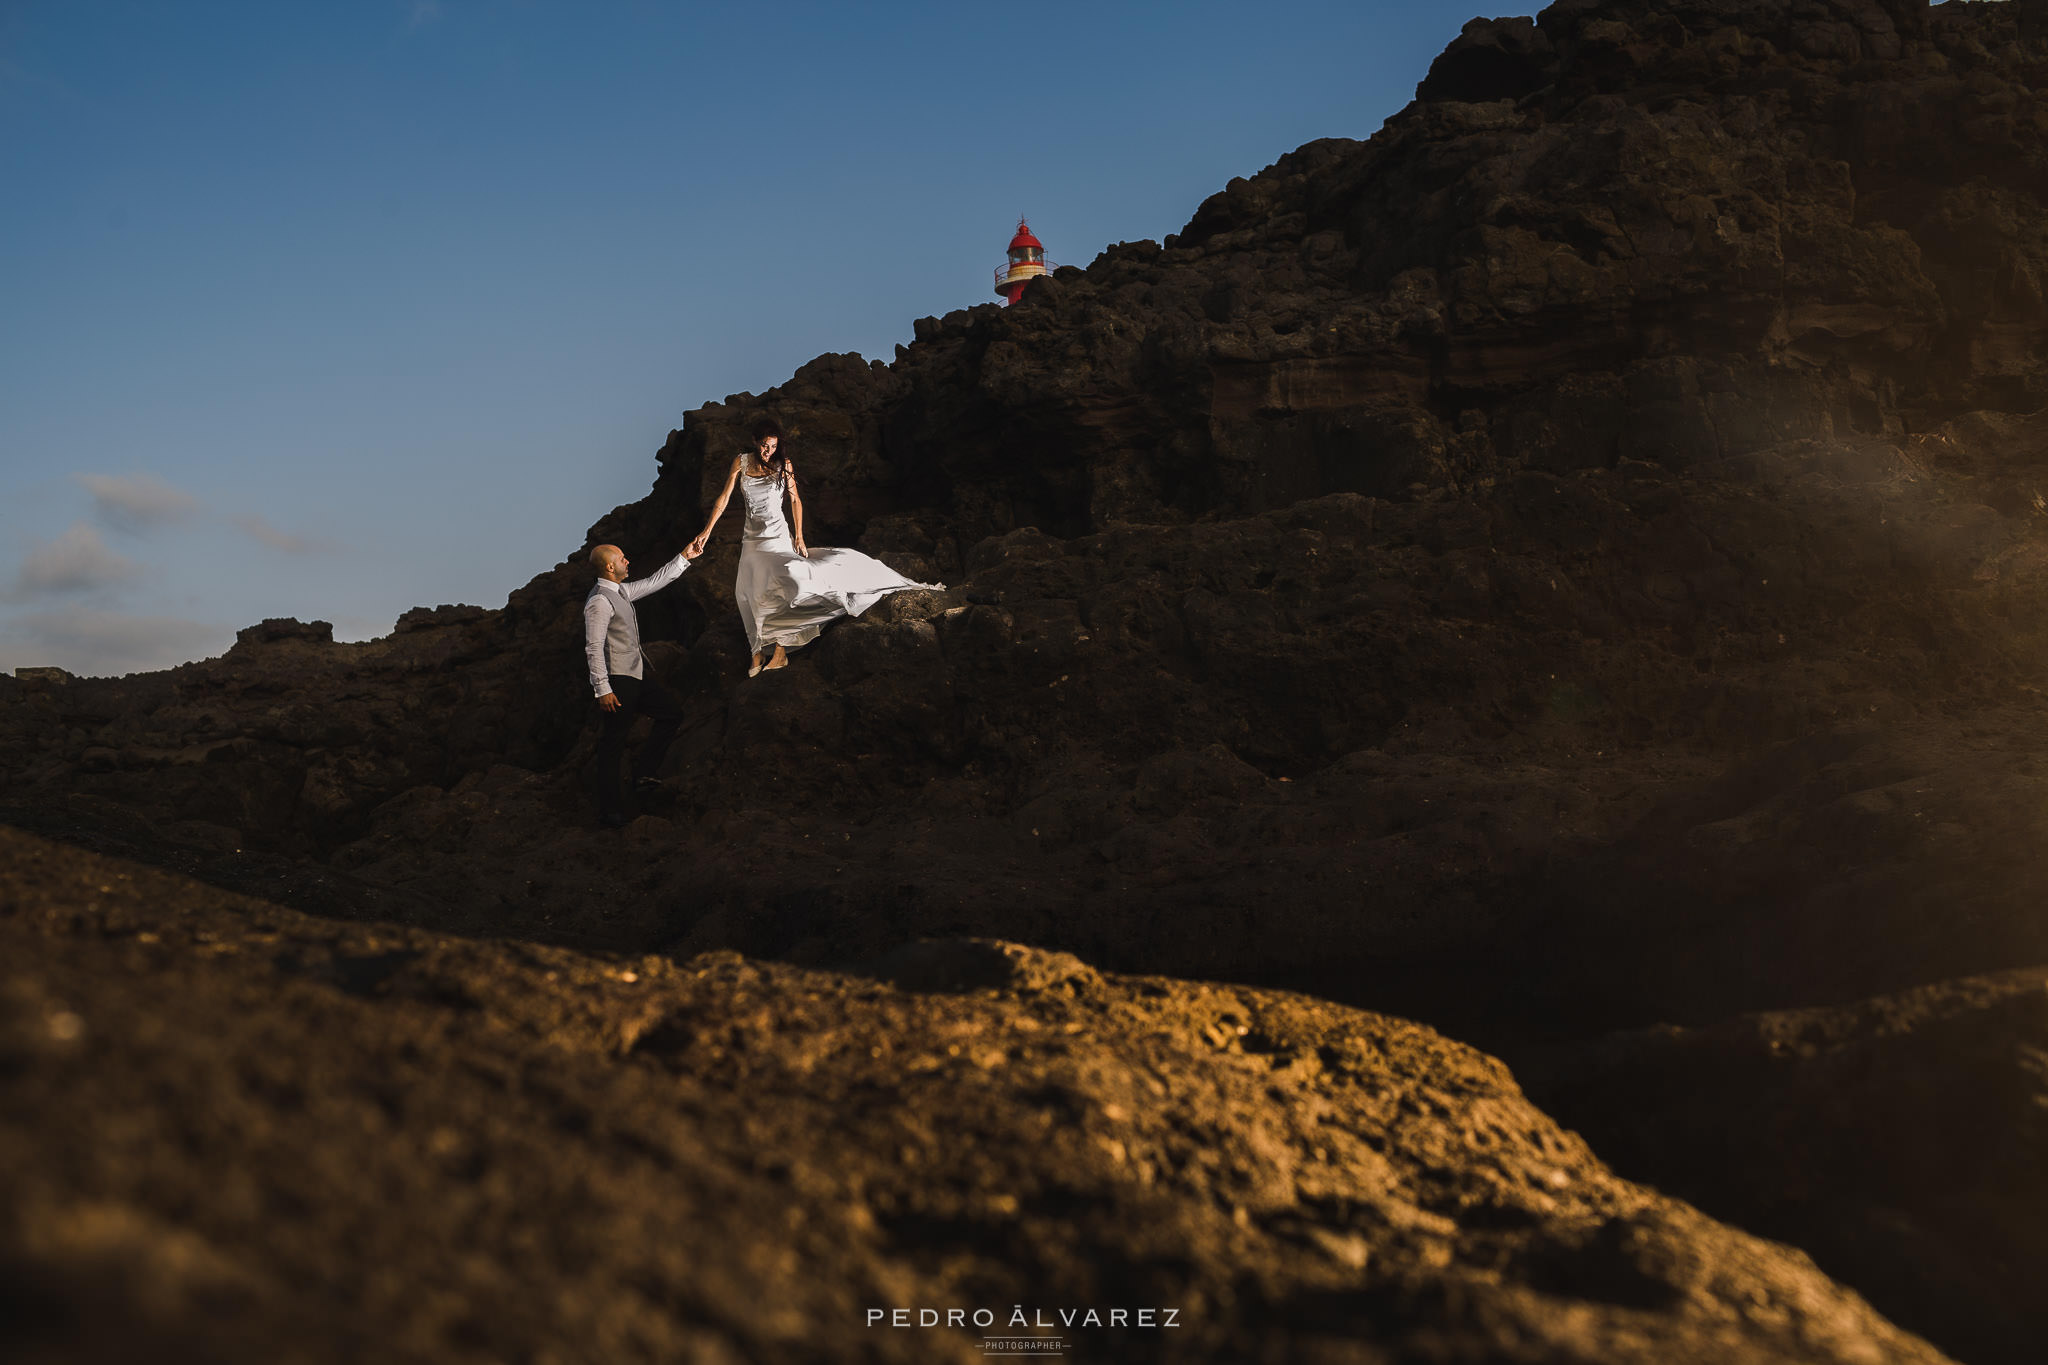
{"x":611,"y":644}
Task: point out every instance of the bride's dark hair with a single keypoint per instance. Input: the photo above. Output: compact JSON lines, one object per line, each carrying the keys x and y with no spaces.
{"x":778,"y":462}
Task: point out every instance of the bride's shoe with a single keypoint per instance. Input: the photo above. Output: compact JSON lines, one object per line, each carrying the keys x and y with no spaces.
{"x":756,"y":668}
{"x":781,"y":660}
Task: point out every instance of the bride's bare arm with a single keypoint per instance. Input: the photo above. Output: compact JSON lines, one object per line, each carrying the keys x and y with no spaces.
{"x":718,"y":508}
{"x":796,"y":512}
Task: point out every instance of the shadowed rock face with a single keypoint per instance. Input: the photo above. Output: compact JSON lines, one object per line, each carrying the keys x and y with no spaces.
{"x":1572,"y":561}
{"x":1672,"y":232}
{"x":1892,"y":1139}
{"x":233,"y":1132}
{"x":1511,"y":483}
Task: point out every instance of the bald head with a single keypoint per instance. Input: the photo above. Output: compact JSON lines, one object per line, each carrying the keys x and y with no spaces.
{"x":609,"y":561}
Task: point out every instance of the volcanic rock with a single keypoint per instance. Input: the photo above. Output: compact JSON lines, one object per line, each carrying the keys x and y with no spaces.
{"x":235,"y":1133}
{"x":280,"y":629}
{"x":1575,"y":560}
{"x":1901,"y":1140}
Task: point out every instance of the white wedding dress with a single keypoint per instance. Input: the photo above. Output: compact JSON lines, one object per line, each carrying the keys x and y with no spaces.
{"x":786,"y":599}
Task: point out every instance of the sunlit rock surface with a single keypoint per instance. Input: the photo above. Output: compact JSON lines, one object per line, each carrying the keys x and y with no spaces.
{"x":234,"y":1132}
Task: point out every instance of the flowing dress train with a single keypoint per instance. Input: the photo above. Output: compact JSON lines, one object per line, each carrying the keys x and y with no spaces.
{"x":786,"y":599}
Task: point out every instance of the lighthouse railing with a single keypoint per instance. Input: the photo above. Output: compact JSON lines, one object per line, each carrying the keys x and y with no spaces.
{"x":1023,"y":270}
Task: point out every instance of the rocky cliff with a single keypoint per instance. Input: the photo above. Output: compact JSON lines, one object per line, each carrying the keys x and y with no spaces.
{"x":1572,"y":562}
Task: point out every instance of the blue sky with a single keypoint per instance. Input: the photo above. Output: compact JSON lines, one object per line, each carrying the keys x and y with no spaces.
{"x":328,"y":310}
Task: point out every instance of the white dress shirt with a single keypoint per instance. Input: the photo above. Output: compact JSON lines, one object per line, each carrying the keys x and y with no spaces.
{"x":611,"y":628}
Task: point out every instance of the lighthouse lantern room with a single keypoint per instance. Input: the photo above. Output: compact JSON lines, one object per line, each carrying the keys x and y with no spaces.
{"x":1027,"y":262}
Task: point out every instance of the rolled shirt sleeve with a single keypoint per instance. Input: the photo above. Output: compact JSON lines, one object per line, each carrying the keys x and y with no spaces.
{"x":656,"y":581}
{"x":597,"y":618}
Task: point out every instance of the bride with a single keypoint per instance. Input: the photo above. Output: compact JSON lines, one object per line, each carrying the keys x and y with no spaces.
{"x":787,"y":592}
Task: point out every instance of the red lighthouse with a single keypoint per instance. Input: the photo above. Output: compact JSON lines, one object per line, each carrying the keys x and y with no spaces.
{"x":1027,"y":262}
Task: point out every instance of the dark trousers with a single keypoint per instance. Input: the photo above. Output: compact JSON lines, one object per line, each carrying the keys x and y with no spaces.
{"x":637,"y":697}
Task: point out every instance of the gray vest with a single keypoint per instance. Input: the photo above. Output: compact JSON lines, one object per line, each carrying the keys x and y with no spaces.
{"x":621,"y":636}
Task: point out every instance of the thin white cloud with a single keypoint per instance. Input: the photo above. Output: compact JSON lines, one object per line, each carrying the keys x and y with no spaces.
{"x":136,"y":502}
{"x":264,"y":533}
{"x":106,"y":643}
{"x":423,"y":12}
{"x":76,"y":561}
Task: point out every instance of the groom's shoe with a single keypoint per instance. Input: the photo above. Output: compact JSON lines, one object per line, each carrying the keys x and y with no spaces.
{"x":651,"y":793}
